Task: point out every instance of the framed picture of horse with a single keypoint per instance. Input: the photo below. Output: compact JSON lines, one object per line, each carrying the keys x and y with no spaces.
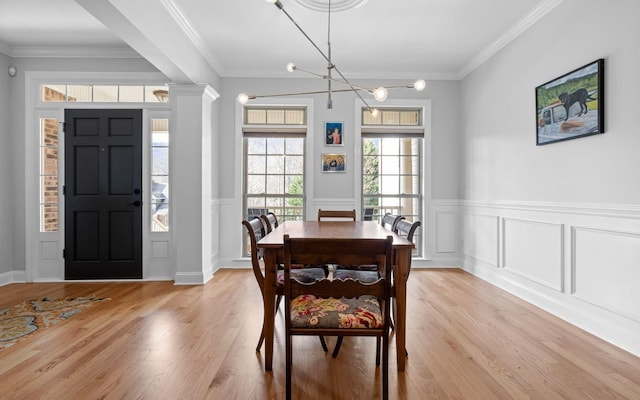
{"x":572,"y":105}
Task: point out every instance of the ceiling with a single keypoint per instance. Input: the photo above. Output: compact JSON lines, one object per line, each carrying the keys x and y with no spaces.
{"x":188,"y":40}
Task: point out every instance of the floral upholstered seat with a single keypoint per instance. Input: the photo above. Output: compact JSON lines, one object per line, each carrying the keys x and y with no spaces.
{"x":310,"y":311}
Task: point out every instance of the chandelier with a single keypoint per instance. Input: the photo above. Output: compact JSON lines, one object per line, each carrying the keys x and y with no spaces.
{"x":379,"y":93}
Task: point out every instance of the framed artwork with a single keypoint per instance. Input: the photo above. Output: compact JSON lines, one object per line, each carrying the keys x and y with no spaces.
{"x":333,"y":134}
{"x":571,"y":105}
{"x":334,"y":162}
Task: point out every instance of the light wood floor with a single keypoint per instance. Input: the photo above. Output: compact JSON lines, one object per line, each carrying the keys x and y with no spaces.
{"x":466,"y":340}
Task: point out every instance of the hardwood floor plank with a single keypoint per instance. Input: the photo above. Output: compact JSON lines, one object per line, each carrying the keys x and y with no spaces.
{"x":466,"y":340}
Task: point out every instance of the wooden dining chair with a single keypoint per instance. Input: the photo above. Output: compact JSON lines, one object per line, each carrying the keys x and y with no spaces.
{"x":389,"y":221}
{"x":407,"y":229}
{"x":367,"y":214}
{"x":338,"y":307}
{"x":270,"y":221}
{"x":256,"y":231}
{"x":365,"y":273}
{"x":332,"y":215}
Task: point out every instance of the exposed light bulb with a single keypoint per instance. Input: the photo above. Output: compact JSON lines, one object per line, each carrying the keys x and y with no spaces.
{"x":380,"y":93}
{"x":243,"y":98}
{"x":420,"y":84}
{"x":375,"y":112}
{"x":276,"y":2}
{"x":291,"y":67}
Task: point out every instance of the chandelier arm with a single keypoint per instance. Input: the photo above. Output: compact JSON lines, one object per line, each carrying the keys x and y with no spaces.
{"x":337,"y":80}
{"x":304,"y":33}
{"x":354,"y":89}
{"x":257,"y":96}
{"x":331,"y":65}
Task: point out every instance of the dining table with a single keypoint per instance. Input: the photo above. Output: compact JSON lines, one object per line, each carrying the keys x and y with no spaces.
{"x":273,"y":248}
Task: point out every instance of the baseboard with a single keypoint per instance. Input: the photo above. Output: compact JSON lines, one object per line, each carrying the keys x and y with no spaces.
{"x":10,"y":277}
{"x":190,"y":279}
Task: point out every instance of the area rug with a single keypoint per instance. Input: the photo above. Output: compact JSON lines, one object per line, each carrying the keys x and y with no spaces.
{"x":29,"y":317}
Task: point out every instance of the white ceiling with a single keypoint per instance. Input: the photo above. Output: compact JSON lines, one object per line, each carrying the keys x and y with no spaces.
{"x":396,"y":39}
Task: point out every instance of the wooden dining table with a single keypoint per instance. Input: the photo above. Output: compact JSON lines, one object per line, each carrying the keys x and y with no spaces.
{"x":273,"y":245}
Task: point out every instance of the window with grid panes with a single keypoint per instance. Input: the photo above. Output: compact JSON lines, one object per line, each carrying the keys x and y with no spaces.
{"x":392,"y":145}
{"x":274,"y":158}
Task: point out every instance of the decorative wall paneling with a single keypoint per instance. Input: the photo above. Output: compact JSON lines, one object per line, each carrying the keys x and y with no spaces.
{"x":578,"y":262}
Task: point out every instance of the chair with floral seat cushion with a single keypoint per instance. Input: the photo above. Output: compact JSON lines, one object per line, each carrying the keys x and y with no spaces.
{"x":255,"y":230}
{"x":403,"y":228}
{"x":332,"y":307}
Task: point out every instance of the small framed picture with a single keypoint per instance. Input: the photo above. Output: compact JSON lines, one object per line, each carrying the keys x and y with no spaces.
{"x":334,"y":162}
{"x":333,"y":134}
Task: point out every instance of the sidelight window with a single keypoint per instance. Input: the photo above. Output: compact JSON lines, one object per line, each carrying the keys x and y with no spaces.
{"x":49,"y":140}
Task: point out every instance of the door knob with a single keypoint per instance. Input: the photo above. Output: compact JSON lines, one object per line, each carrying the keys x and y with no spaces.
{"x":136,"y":203}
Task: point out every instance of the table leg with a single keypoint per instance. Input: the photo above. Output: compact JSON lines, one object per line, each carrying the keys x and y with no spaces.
{"x":269,"y":305}
{"x":400,"y":281}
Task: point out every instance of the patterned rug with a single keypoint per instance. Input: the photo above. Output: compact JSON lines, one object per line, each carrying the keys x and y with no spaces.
{"x":24,"y":319}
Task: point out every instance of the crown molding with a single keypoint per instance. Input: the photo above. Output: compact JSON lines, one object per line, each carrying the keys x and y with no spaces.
{"x":5,"y":49}
{"x":542,"y":9}
{"x":73,"y":52}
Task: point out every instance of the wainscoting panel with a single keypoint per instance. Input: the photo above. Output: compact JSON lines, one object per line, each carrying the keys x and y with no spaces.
{"x":606,"y":269}
{"x":481,"y":237}
{"x":446,"y":232}
{"x":159,"y":250}
{"x":49,"y":251}
{"x":534,"y":250}
{"x":599,"y":290}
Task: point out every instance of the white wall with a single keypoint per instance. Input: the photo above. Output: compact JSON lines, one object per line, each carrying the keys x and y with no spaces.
{"x":6,"y":181}
{"x":337,"y":190}
{"x":558,"y":224}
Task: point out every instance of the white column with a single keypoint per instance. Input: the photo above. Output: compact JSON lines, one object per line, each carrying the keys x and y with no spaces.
{"x":191,"y":162}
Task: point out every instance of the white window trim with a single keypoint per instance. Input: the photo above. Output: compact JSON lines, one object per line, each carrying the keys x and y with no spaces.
{"x":239,"y":157}
{"x":425,"y":105}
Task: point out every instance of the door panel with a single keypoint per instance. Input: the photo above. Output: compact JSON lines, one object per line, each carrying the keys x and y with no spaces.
{"x":103,"y":196}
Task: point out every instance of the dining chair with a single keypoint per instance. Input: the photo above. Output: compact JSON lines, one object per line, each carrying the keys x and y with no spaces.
{"x":256,"y":231}
{"x":407,"y":229}
{"x":331,"y":307}
{"x":270,"y":221}
{"x":366,"y":273}
{"x":389,"y":221}
{"x":367,"y":214}
{"x":326,"y":215}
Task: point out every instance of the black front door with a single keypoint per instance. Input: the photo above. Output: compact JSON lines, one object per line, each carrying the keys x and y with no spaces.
{"x":103,"y":194}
